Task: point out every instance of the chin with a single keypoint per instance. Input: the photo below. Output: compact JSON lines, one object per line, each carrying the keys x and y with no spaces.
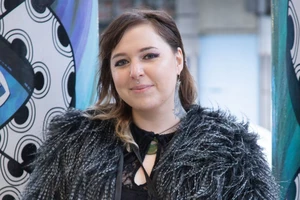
{"x":147,"y":106}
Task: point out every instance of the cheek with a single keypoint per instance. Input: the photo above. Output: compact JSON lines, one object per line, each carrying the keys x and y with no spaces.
{"x":167,"y":74}
{"x":166,"y":82}
{"x":118,"y":78}
{"x":115,"y":75}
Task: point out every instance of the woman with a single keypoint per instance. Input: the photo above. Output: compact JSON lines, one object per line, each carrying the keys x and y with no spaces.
{"x":144,"y":138}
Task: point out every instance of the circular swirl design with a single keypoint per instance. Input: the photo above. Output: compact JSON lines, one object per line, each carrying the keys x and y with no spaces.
{"x":3,"y":138}
{"x":1,"y":26}
{"x":64,"y":49}
{"x":9,"y":193}
{"x":293,"y":20}
{"x":50,"y":114}
{"x":2,"y":7}
{"x":68,"y":86}
{"x":22,"y":143}
{"x":36,"y":16}
{"x":17,"y":34}
{"x":12,"y":172}
{"x":42,"y":80}
{"x":292,"y":14}
{"x":24,"y":118}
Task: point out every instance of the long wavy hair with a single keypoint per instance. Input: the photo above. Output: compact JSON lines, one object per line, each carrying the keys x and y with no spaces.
{"x":109,"y":104}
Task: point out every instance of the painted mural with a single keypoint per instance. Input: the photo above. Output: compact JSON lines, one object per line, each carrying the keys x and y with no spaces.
{"x":48,"y":63}
{"x":286,"y":96}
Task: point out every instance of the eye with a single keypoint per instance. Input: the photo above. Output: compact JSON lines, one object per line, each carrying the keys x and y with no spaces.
{"x":121,"y":63}
{"x":151,"y":56}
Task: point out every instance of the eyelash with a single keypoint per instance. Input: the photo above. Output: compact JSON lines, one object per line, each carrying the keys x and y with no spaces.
{"x":151,"y":55}
{"x":121,"y":63}
{"x":148,"y":56}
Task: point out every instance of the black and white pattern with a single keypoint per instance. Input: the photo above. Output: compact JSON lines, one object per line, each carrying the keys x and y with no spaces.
{"x":42,"y":80}
{"x":9,"y":193}
{"x":35,"y":34}
{"x":24,"y":118}
{"x":294,"y":27}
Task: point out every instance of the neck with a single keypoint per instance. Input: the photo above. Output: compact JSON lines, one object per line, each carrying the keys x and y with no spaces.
{"x":158,"y":122}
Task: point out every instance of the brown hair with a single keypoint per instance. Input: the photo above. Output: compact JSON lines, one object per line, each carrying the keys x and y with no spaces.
{"x":110,"y":105}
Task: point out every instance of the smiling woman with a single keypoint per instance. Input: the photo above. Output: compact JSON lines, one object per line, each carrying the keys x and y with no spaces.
{"x":145,"y":138}
{"x":139,"y":64}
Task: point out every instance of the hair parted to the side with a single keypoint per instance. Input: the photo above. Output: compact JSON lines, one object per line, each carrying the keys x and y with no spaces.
{"x":110,"y":105}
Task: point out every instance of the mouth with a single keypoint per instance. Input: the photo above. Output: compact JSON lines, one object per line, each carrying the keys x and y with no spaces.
{"x":140,"y":88}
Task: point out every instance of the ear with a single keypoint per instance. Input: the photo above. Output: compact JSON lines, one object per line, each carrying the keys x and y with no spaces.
{"x":179,"y":60}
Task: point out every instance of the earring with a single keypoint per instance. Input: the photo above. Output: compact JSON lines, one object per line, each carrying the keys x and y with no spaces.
{"x":178,"y":109}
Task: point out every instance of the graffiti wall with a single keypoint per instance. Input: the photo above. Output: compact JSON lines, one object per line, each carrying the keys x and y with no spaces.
{"x":286,"y":96}
{"x":48,"y":63}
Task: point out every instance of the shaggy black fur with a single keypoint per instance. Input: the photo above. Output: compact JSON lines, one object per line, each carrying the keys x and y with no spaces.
{"x":211,"y":157}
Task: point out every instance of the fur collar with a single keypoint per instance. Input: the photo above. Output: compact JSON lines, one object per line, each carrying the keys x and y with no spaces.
{"x":211,"y":157}
{"x":214,"y":157}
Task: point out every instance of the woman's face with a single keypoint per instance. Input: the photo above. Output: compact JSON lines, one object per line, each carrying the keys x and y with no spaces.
{"x":144,"y":69}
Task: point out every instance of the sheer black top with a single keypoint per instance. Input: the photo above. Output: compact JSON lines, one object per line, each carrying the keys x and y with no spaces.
{"x":130,"y":190}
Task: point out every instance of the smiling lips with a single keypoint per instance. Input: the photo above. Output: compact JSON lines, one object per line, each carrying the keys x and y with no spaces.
{"x":140,"y":88}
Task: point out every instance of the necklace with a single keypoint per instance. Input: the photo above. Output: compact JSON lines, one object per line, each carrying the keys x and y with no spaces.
{"x":172,"y":127}
{"x":154,"y":143}
{"x":152,"y":147}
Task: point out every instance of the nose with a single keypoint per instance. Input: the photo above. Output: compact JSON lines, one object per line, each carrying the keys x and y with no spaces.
{"x":136,"y":70}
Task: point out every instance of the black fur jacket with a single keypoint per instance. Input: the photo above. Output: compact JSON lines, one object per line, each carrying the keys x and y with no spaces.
{"x":211,"y":156}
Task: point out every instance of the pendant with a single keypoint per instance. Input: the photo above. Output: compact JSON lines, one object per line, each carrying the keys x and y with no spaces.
{"x":152,"y":147}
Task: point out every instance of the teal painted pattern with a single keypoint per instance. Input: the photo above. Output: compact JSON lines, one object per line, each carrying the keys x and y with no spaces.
{"x":285,"y":96}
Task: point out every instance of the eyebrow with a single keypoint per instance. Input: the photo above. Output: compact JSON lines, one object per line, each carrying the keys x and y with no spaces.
{"x":141,"y":50}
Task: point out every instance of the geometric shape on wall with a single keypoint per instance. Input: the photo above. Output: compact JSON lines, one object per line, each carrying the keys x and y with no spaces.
{"x":39,"y":17}
{"x":26,"y":148}
{"x":68,"y":84}
{"x":35,"y":32}
{"x":13,"y":170}
{"x":2,"y":7}
{"x":297,"y":183}
{"x":3,"y":138}
{"x":1,"y":26}
{"x":49,"y":116}
{"x":17,"y":79}
{"x":24,"y":118}
{"x":294,"y":21}
{"x":21,"y":43}
{"x":9,"y":5}
{"x":293,"y":189}
{"x":9,"y":193}
{"x":42,"y":80}
{"x":60,"y":39}
{"x":293,"y":56}
{"x":4,"y":89}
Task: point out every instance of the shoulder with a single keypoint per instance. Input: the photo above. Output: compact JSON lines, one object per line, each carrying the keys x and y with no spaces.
{"x":76,"y":130}
{"x":76,"y":148}
{"x":212,"y":145}
{"x":218,"y":122}
{"x":221,"y":134}
{"x":198,"y":114}
{"x":77,"y":123}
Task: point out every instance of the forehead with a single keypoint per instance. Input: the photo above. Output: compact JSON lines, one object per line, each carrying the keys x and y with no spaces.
{"x":145,"y":27}
{"x":139,"y":36}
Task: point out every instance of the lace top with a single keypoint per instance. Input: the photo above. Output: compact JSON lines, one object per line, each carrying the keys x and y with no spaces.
{"x":130,"y":190}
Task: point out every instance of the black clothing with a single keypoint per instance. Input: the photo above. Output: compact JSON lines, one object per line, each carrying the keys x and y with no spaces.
{"x":131,"y":164}
{"x":211,"y":156}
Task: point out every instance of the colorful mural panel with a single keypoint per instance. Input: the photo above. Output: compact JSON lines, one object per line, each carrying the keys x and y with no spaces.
{"x":286,"y":96}
{"x":48,"y":63}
